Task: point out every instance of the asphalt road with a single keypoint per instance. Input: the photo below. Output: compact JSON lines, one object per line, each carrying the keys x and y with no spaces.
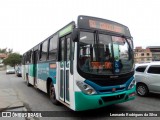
{"x":36,"y":100}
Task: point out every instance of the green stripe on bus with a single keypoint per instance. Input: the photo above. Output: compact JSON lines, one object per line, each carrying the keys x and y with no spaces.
{"x":66,"y":30}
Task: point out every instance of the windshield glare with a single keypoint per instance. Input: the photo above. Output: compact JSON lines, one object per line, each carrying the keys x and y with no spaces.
{"x":104,"y":54}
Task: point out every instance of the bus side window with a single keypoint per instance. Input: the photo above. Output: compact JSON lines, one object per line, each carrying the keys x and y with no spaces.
{"x":53,"y":47}
{"x":43,"y":51}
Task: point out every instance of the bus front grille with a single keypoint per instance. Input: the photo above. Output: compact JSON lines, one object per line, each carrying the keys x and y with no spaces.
{"x":113,"y":98}
{"x":110,"y":90}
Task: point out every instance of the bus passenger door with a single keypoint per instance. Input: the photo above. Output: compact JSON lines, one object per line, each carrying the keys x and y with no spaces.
{"x":64,"y":69}
{"x":35,"y":58}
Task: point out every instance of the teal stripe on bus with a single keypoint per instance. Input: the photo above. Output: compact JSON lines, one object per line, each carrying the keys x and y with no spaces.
{"x":31,"y":68}
{"x":44,"y":72}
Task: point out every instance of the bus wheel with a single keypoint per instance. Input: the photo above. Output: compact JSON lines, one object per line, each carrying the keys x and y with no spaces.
{"x":52,"y":94}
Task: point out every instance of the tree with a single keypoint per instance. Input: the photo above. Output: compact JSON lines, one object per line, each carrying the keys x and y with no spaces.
{"x":3,"y":50}
{"x":10,"y":50}
{"x":13,"y":59}
{"x":6,"y":51}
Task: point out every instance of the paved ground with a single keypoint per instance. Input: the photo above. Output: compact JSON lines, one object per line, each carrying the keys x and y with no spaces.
{"x":10,"y":102}
{"x":9,"y":99}
{"x":14,"y":92}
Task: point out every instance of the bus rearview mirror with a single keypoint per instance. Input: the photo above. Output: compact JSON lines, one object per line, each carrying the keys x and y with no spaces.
{"x":74,"y":35}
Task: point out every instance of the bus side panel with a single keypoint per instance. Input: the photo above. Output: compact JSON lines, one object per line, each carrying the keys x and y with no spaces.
{"x":42,"y":75}
{"x":56,"y":83}
{"x":30,"y":74}
{"x":52,"y":72}
{"x":23,"y":72}
{"x":53,"y":76}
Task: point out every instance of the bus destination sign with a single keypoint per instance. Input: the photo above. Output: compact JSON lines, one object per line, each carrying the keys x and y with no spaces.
{"x":86,"y":22}
{"x":105,"y":26}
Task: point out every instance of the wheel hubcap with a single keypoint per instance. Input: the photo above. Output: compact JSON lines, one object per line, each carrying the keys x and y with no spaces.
{"x":141,"y":90}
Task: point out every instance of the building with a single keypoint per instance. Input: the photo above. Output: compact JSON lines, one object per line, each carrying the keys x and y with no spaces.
{"x":142,"y":55}
{"x":2,"y":57}
{"x":155,"y":52}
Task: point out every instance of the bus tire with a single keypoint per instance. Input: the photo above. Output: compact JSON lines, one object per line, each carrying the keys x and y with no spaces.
{"x":52,"y":94}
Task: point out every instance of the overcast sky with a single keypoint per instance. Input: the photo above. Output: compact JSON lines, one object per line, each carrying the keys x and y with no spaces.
{"x":25,"y":23}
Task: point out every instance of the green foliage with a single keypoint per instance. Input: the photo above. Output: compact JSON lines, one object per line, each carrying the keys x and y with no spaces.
{"x":5,"y":50}
{"x":13,"y":59}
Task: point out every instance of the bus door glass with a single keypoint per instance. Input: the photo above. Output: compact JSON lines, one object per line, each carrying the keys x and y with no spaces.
{"x":64,"y":68}
{"x":35,"y":58}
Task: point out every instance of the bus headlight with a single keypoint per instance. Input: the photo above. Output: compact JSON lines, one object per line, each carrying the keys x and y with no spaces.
{"x":87,"y":89}
{"x":132,"y":84}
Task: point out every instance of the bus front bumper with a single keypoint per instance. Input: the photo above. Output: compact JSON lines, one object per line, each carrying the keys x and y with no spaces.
{"x":86,"y":102}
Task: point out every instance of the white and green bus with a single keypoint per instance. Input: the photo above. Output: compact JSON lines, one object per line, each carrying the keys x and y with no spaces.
{"x":85,"y":65}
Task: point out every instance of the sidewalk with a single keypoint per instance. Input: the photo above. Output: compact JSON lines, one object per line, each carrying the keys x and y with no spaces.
{"x":9,"y":99}
{"x":9,"y":102}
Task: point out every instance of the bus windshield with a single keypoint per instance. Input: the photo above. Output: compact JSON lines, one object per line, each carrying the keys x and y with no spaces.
{"x":103,"y":54}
